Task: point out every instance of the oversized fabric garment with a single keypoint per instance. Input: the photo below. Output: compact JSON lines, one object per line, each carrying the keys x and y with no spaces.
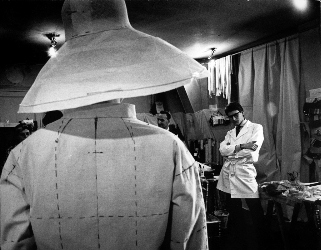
{"x":100,"y":179}
{"x":105,"y":58}
{"x":238,"y":173}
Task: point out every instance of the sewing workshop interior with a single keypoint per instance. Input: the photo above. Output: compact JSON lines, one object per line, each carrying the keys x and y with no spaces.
{"x":160,"y":124}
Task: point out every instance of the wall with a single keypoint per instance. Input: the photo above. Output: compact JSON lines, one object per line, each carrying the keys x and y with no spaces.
{"x":142,"y":104}
{"x":15,"y":80}
{"x":9,"y":103}
{"x":199,"y":98}
{"x":310,"y":44}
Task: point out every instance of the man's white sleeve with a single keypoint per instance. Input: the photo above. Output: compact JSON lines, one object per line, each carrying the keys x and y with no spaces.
{"x":258,"y":137}
{"x":226,"y":148}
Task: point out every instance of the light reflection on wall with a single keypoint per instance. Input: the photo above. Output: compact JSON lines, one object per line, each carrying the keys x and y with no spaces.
{"x":272,"y":109}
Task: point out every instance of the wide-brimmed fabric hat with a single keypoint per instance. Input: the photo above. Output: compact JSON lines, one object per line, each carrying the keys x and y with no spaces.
{"x":105,"y":58}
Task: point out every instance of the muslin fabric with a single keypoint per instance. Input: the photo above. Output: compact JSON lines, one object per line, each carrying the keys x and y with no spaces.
{"x":98,"y":178}
{"x":105,"y":58}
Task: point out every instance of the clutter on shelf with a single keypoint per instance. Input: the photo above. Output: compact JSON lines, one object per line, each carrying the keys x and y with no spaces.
{"x":218,"y":119}
{"x":292,"y":189}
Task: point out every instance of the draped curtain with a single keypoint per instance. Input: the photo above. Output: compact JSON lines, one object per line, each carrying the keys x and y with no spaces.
{"x":269,"y":81}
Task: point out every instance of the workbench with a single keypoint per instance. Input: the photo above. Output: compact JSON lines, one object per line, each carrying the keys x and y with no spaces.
{"x":312,"y":207}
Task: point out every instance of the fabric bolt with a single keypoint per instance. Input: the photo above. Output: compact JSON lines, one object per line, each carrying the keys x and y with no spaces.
{"x":211,"y":78}
{"x":218,"y":77}
{"x":228,"y":68}
{"x":98,"y":178}
{"x":219,"y":80}
{"x":238,"y":173}
{"x":223,"y":76}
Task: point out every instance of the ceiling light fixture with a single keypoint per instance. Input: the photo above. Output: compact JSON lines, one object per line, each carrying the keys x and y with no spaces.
{"x":52,"y":52}
{"x":212,"y":53}
{"x":301,"y":5}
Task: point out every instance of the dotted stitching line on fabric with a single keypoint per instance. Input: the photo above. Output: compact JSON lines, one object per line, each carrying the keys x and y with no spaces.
{"x":97,"y":208}
{"x":203,"y":210}
{"x":60,"y":130}
{"x":14,"y":166}
{"x":182,"y":242}
{"x":204,"y":228}
{"x":130,"y":130}
{"x":100,"y":216}
{"x":185,"y":169}
{"x":11,"y":173}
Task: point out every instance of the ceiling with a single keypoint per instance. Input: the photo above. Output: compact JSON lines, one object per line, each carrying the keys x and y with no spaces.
{"x":194,"y":26}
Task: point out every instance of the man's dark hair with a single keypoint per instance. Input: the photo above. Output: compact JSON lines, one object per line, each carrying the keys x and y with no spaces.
{"x":233,"y":106}
{"x":22,"y":126}
{"x":168,"y":115}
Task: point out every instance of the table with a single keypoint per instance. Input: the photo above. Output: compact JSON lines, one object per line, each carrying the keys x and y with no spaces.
{"x":312,"y":209}
{"x":214,"y":224}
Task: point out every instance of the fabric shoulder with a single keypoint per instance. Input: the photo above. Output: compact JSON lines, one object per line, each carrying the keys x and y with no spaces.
{"x":153,"y":128}
{"x":230,"y":131}
{"x":39,"y":141}
{"x":256,"y":125}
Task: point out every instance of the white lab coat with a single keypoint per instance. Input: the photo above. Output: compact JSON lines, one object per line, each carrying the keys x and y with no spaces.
{"x":100,"y":179}
{"x":238,"y":173}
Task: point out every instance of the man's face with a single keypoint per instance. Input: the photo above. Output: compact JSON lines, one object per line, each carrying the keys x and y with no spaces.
{"x":162,"y":121}
{"x":236,"y":117}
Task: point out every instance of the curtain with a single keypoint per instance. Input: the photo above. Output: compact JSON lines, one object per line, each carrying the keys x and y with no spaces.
{"x":269,"y":80}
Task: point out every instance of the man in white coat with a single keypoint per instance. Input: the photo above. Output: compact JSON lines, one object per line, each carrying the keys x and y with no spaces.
{"x":98,"y":178}
{"x":240,"y":149}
